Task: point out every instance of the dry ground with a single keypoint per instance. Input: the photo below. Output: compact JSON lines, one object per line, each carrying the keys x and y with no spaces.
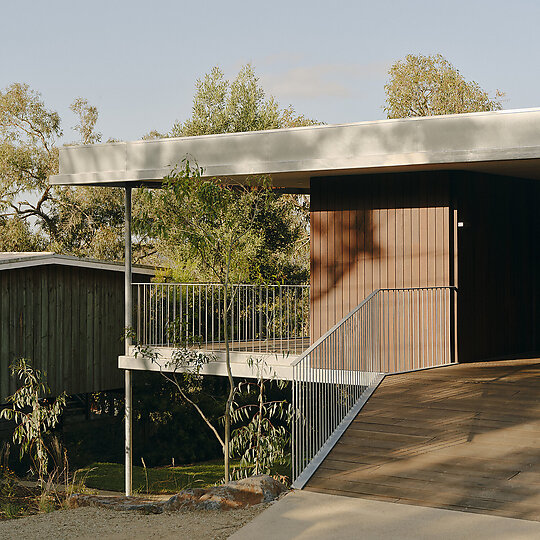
{"x":104,"y":524}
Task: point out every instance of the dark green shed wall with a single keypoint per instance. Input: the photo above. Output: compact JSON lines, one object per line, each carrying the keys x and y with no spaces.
{"x":68,"y":321}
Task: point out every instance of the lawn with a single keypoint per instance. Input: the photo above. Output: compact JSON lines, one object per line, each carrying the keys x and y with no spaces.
{"x":110,"y":477}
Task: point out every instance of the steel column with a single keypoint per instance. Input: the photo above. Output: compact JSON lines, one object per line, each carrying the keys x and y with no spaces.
{"x":128,"y":313}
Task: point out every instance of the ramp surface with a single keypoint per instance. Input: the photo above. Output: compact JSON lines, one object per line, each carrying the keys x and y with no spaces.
{"x":463,"y":437}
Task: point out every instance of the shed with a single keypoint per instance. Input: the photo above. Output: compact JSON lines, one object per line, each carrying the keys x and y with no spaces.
{"x":65,"y":314}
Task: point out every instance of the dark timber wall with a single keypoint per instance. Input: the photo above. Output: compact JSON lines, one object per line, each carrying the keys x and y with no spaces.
{"x":400,"y":230}
{"x":68,"y":321}
{"x":499,"y":267}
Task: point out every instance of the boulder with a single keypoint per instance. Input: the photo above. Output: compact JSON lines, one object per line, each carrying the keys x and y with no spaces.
{"x":115,"y":503}
{"x":238,"y":494}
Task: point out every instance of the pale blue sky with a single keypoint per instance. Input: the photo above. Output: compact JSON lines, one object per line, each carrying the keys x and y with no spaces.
{"x":138,"y":61}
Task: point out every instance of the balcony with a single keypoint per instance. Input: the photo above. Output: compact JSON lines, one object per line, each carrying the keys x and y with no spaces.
{"x":264,"y":321}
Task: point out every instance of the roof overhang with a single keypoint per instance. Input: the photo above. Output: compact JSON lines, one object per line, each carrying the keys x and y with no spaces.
{"x":501,"y":142}
{"x":14,"y":260}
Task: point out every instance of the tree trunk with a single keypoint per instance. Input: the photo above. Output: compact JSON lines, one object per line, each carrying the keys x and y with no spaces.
{"x":259,"y":427}
{"x":227,"y":437}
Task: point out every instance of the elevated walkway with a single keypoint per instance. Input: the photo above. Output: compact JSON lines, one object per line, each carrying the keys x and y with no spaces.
{"x":463,"y":437}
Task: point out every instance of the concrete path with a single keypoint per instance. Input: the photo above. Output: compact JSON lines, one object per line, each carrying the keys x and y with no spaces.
{"x":314,"y":516}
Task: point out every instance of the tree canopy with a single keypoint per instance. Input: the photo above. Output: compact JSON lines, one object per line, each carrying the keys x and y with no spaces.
{"x":223,"y":106}
{"x":281,"y":252}
{"x":88,"y":222}
{"x":81,"y":221}
{"x":28,"y":155}
{"x":422,"y":85}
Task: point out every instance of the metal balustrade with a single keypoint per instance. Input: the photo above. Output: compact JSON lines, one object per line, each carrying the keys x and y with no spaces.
{"x":261,"y":319}
{"x":392,"y":330}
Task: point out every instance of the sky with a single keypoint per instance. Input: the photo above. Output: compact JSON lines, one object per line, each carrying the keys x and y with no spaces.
{"x":138,"y":61}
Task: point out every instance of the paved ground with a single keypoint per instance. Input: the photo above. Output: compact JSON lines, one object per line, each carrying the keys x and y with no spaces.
{"x":303,"y":515}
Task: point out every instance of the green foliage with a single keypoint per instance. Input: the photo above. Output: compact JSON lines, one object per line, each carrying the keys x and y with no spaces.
{"x":33,"y":416}
{"x":89,"y":222}
{"x":430,"y":85}
{"x":16,"y":235}
{"x":77,"y":221}
{"x":88,"y":116}
{"x":13,"y":503}
{"x":190,"y":208}
{"x":212,"y":223}
{"x":283,"y":253}
{"x":263,"y":441}
{"x":28,"y":154}
{"x":217,"y":222}
{"x":222,"y":106}
{"x":280,"y":252}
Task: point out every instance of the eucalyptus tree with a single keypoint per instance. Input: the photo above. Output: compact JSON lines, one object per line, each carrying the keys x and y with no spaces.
{"x":29,"y":133}
{"x":33,"y":417}
{"x":422,"y":85}
{"x":223,"y":106}
{"x":239,"y":105}
{"x":219,"y":223}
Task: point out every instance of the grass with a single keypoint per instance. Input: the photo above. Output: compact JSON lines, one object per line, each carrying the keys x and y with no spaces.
{"x":110,"y":477}
{"x":18,"y":501}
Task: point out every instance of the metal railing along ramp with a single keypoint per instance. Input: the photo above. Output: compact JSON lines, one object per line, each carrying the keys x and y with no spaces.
{"x":391,"y":331}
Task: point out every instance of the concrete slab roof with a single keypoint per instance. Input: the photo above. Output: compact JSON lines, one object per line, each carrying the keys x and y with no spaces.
{"x":10,"y":260}
{"x":500,"y":142}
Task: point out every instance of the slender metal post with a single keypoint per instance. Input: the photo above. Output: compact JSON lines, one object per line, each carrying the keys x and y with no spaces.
{"x":128,"y":313}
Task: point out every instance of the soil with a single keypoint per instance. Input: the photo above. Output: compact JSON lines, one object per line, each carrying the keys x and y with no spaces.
{"x":91,"y":523}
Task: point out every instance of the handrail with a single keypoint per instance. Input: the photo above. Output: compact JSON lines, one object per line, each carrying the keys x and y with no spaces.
{"x":308,"y":351}
{"x":391,"y":330}
{"x":357,"y":308}
{"x":261,"y":318}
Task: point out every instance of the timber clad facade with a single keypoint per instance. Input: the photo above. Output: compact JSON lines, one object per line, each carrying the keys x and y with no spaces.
{"x":375,"y":231}
{"x":68,"y":320}
{"x":404,"y":230}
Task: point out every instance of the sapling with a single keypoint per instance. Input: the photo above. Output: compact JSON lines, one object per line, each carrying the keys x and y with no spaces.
{"x":33,"y":415}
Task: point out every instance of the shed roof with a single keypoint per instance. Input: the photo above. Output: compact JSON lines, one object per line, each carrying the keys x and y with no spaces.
{"x":11,"y":259}
{"x":499,"y":142}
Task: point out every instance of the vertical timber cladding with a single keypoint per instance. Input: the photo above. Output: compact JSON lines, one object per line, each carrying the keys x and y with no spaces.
{"x":376,"y":231}
{"x":499,"y":267}
{"x":68,"y":321}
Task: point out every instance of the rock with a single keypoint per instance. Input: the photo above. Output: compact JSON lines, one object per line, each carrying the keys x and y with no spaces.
{"x":186,"y":498}
{"x":262,"y":485}
{"x":116,"y":503}
{"x":238,"y":494}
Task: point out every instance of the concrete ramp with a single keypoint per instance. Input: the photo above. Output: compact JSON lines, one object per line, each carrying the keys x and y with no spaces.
{"x":463,"y":437}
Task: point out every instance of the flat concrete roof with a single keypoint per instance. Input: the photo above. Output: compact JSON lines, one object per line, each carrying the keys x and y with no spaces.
{"x":10,"y":260}
{"x":499,"y":142}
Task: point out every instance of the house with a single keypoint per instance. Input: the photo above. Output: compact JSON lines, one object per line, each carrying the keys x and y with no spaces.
{"x":424,"y":237}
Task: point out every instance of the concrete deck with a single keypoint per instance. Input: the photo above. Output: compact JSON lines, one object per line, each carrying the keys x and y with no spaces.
{"x":304,"y":515}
